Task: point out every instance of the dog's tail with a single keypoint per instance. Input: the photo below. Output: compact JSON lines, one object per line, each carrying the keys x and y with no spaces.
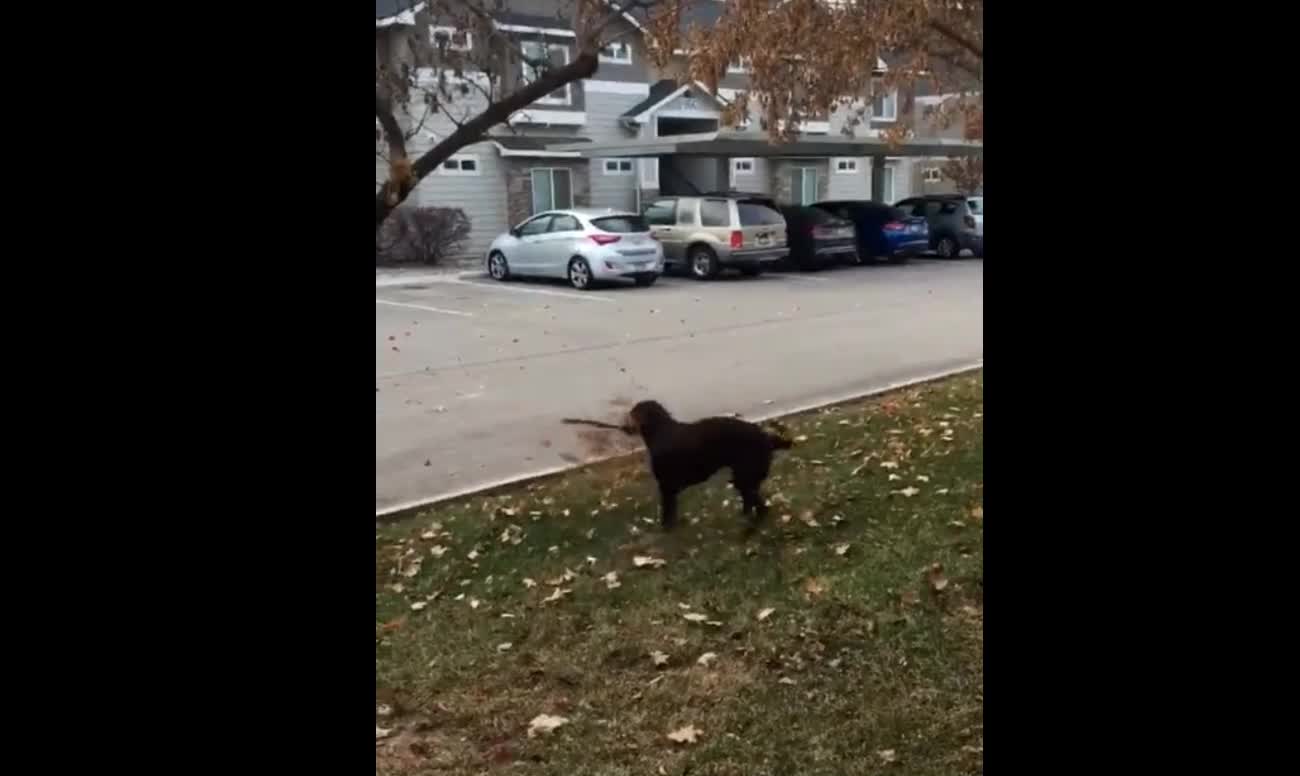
{"x":779,"y":442}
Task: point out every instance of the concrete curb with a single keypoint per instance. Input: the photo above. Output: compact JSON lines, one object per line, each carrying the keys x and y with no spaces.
{"x":397,"y":512}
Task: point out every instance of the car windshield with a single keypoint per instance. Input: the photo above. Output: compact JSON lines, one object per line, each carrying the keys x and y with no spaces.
{"x":976,"y":205}
{"x":753,"y":214}
{"x":621,"y":224}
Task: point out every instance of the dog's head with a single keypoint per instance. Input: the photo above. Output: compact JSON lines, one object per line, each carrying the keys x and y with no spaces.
{"x":646,"y":418}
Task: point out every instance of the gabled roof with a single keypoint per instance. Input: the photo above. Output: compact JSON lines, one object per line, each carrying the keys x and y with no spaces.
{"x":662,"y":92}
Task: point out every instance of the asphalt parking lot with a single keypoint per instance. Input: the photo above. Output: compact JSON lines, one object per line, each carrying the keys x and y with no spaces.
{"x":473,"y":376}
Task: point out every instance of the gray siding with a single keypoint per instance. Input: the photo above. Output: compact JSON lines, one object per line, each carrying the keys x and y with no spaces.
{"x":603,"y":111}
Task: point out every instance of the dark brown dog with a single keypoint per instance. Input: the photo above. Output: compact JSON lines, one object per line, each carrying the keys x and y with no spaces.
{"x":684,"y":454}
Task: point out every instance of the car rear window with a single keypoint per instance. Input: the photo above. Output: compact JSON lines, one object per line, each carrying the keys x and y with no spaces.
{"x":898,"y":214}
{"x":818,"y":216}
{"x":976,"y":206}
{"x":621,"y":224}
{"x":715,"y":212}
{"x":752,"y":214}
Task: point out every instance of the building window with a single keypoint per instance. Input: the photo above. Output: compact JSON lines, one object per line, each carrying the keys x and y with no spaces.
{"x":452,"y":38}
{"x":555,"y":55}
{"x":741,"y":66}
{"x":552,"y":189}
{"x":846,"y":165}
{"x":461,"y":164}
{"x":617,"y":53}
{"x":884,"y":107}
{"x":803,"y":185}
{"x":618,"y":167}
{"x":931,"y":175}
{"x":742,"y":166}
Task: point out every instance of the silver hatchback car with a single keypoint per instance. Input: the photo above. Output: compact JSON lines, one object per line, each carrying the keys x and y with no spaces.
{"x":585,"y":245}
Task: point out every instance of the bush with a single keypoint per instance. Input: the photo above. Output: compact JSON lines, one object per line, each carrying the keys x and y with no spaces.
{"x":423,"y":235}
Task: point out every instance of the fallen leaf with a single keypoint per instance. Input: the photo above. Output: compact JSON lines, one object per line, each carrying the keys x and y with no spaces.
{"x":559,"y":593}
{"x":801,"y":438}
{"x":889,"y":464}
{"x":382,"y":733}
{"x":893,"y":477}
{"x":529,"y":582}
{"x":942,"y":491}
{"x":841,"y":549}
{"x":714,"y":623}
{"x":611,"y":580}
{"x":977,"y":513}
{"x":785,"y":680}
{"x":437,"y":550}
{"x":591,"y":561}
{"x":544,"y":723}
{"x":413,"y":570}
{"x":641,"y":561}
{"x":686,"y":735}
{"x":459,"y":597}
{"x":659,"y":658}
{"x":504,"y":646}
{"x":474,"y":603}
{"x":765,"y":613}
{"x":384,"y":710}
{"x":695,"y":616}
{"x":887,"y":755}
{"x":472,"y":555}
{"x":706,"y":659}
{"x":937,"y":580}
{"x":396,"y":587}
{"x":922,"y":478}
{"x":418,"y":605}
{"x":814,"y":586}
{"x":909,"y":491}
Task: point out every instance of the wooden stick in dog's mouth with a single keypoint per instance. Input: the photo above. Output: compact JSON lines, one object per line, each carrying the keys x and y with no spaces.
{"x":596,"y":423}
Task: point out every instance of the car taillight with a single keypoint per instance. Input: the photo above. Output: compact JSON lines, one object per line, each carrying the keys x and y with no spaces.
{"x":653,"y":236}
{"x":812,"y":231}
{"x":970,"y":221}
{"x":894,"y":226}
{"x":737,"y":240}
{"x":606,"y":239}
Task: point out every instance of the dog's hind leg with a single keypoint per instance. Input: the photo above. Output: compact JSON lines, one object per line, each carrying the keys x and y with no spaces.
{"x":755,"y":506}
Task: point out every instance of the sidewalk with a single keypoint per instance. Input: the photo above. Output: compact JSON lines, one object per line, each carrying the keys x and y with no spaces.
{"x":387,"y":277}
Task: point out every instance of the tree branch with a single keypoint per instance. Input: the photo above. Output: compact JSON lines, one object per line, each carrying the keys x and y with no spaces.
{"x":961,"y":40}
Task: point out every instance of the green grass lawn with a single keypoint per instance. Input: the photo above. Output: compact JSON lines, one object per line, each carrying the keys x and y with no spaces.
{"x":846,"y":637}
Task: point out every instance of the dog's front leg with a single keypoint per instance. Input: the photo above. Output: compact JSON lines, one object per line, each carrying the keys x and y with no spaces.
{"x":668,"y":503}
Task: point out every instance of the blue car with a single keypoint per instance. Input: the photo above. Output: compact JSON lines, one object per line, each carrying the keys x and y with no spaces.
{"x":883,"y":231}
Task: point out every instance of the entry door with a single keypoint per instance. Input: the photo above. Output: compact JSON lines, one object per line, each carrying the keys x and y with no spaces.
{"x":552,"y":189}
{"x":803,"y":185}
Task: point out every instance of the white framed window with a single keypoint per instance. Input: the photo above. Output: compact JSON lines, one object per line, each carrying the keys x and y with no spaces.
{"x":452,"y":38}
{"x":846,"y":165}
{"x":552,"y":189}
{"x":557,"y":55}
{"x":460,"y":164}
{"x":619,"y":167}
{"x":931,"y":175}
{"x":617,"y":52}
{"x":741,"y":66}
{"x":742,"y":166}
{"x":884,"y":106}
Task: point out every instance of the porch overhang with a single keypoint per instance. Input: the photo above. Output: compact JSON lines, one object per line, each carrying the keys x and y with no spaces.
{"x":756,"y":144}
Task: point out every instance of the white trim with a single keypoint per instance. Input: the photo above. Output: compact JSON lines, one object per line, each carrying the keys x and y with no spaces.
{"x":648,"y":165}
{"x":553,"y":32}
{"x":797,"y":409}
{"x":540,"y":154}
{"x":616,"y":87}
{"x":405,"y":18}
{"x":627,"y":46}
{"x":458,"y":158}
{"x":618,"y":166}
{"x":881,"y":64}
{"x":925,"y":175}
{"x":545,"y":116}
{"x":815,"y":127}
{"x":553,"y":206}
{"x":741,"y":68}
{"x":891,"y":100}
{"x":451,"y":38}
{"x":687,"y":114}
{"x":851,"y":165}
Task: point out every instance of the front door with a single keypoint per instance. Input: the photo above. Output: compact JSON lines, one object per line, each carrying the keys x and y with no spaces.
{"x":530,"y":255}
{"x":803,"y":185}
{"x":557,"y":245}
{"x":661,"y":215}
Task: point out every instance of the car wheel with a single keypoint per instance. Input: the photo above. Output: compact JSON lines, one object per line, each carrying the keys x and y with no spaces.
{"x":646,"y":280}
{"x":703,"y":263}
{"x":947,"y":248}
{"x":580,"y":274}
{"x":498,"y":268}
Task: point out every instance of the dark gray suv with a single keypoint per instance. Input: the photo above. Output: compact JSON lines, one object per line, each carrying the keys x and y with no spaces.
{"x":952,"y":224}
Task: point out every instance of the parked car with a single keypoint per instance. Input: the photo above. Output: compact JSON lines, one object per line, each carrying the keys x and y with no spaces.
{"x":952,"y":224}
{"x":817,"y":238}
{"x":976,"y":205}
{"x":706,"y":234}
{"x":587,"y":246}
{"x":882,"y":231}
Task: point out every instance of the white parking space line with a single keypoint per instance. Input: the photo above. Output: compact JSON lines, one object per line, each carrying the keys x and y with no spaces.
{"x":424,"y":307}
{"x":497,"y":286}
{"x":792,"y":276}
